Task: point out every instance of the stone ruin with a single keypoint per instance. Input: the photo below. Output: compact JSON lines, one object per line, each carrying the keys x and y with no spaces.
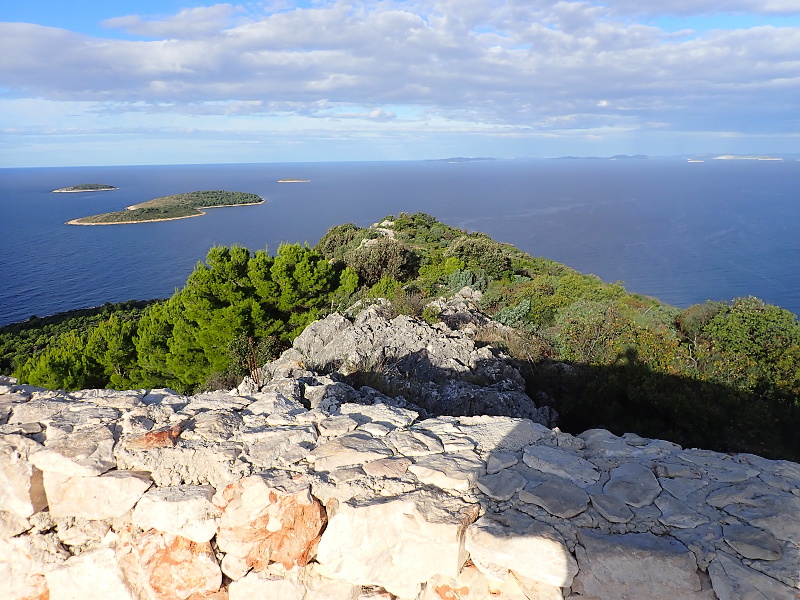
{"x":299,"y":486}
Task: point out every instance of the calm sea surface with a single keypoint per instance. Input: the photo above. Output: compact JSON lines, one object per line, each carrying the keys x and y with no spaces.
{"x":682,"y":232}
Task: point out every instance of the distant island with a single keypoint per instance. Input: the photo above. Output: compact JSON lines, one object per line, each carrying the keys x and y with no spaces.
{"x":293,"y":180}
{"x":745,"y":157}
{"x":615,"y":157}
{"x":177,"y":206}
{"x":85,"y":187}
{"x":460,"y":159}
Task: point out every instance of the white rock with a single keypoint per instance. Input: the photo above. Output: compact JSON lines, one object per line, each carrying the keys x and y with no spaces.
{"x":93,"y":575}
{"x":497,"y":461}
{"x":398,"y":543}
{"x":613,"y":509}
{"x":751,"y":542}
{"x":259,"y":585}
{"x":561,"y":463}
{"x":500,"y":433}
{"x":103,"y":497}
{"x":355,"y":448}
{"x":449,"y":471}
{"x":22,"y":491}
{"x":87,"y":452}
{"x":675,"y":513}
{"x":414,"y":443}
{"x":512,"y":541}
{"x":636,"y":566}
{"x":183,"y":510}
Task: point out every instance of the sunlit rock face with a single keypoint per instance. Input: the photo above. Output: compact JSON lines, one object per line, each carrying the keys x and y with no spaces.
{"x":313,"y":485}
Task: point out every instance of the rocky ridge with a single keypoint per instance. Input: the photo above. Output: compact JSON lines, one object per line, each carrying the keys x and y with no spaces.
{"x":304,"y":483}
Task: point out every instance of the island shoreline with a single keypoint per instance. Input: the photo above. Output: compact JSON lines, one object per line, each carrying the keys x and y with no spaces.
{"x":199,"y":214}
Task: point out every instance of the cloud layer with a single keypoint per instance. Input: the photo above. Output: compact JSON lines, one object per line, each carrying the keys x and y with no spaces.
{"x":514,"y":67}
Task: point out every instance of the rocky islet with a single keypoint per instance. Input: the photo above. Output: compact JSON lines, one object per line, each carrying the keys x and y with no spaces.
{"x":306,"y":487}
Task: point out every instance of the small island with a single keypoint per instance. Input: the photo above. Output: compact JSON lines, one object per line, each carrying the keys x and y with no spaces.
{"x":166,"y":208}
{"x":85,"y":187}
{"x":293,"y":180}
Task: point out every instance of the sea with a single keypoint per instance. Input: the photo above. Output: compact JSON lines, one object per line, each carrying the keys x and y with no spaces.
{"x":683,"y":232}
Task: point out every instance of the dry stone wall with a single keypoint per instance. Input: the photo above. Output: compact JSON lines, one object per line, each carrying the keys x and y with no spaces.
{"x":305,"y":488}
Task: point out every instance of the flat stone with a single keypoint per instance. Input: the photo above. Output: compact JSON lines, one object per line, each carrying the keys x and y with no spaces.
{"x":103,"y":497}
{"x":346,"y":474}
{"x":500,"y":433}
{"x":184,"y":510}
{"x":414,"y":443}
{"x":634,"y":566}
{"x":87,"y":452}
{"x":501,"y":486}
{"x":512,"y":541}
{"x":497,"y":461}
{"x":733,"y":581}
{"x":558,"y":497}
{"x":613,"y":509}
{"x":561,"y":463}
{"x":387,"y":467}
{"x":269,"y":447}
{"x":214,"y":425}
{"x":355,"y":448}
{"x":675,"y":513}
{"x":397,"y":543}
{"x":449,"y":471}
{"x":634,"y":484}
{"x":337,"y":425}
{"x":457,"y":442}
{"x":384,"y":414}
{"x":260,"y":585}
{"x":38,"y":411}
{"x":751,"y":542}
{"x":681,"y":487}
{"x":769,"y":513}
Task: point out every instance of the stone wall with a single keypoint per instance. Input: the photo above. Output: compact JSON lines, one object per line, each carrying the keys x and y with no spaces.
{"x":305,"y":488}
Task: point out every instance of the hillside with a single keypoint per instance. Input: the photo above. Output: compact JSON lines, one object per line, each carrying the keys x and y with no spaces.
{"x":722,"y":375}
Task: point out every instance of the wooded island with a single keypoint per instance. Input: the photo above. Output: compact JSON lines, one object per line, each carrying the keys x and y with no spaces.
{"x":176,"y":206}
{"x":86,"y":187}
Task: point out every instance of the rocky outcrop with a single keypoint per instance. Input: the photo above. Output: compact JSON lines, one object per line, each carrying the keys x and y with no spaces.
{"x":309,"y":488}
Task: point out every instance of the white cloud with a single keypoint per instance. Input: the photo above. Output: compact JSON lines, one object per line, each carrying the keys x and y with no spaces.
{"x":513,"y":66}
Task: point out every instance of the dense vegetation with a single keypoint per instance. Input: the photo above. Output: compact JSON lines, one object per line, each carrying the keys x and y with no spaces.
{"x":175,"y":206}
{"x":720,"y":375}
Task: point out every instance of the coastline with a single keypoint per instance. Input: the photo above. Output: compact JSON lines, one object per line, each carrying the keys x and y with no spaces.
{"x":67,"y":191}
{"x":133,"y":207}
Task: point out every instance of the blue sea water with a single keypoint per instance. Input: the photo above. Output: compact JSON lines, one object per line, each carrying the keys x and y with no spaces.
{"x":682,"y":232}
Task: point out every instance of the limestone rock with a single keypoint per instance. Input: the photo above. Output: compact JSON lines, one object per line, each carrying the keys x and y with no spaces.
{"x":355,"y":448}
{"x":636,"y":566}
{"x":169,"y":567}
{"x":183,"y":510}
{"x":449,"y":472}
{"x":634,"y":484}
{"x":613,"y":509}
{"x":270,"y":517}
{"x":93,"y":575}
{"x":558,"y":497}
{"x":89,"y":451}
{"x":21,"y":487}
{"x":675,"y":513}
{"x":387,"y":467}
{"x":512,"y":541}
{"x":258,"y":585}
{"x":23,"y":568}
{"x":501,"y":486}
{"x":103,"y":497}
{"x":752,"y":542}
{"x":561,"y":463}
{"x":396,"y":543}
{"x":733,"y":581}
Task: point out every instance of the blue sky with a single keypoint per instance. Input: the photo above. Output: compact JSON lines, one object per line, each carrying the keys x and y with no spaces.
{"x":181,"y":81}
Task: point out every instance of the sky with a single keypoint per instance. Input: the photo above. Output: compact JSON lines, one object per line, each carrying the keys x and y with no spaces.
{"x":113,"y":82}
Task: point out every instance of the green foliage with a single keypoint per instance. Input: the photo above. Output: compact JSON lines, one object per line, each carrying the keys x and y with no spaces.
{"x":481,"y":254}
{"x":387,"y":287}
{"x":383,"y":257}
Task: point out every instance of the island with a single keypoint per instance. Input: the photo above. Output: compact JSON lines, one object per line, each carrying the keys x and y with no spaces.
{"x":293,"y":180}
{"x":85,"y":187}
{"x":166,"y":208}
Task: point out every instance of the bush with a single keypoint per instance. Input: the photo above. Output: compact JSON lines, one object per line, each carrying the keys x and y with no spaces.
{"x":383,"y":257}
